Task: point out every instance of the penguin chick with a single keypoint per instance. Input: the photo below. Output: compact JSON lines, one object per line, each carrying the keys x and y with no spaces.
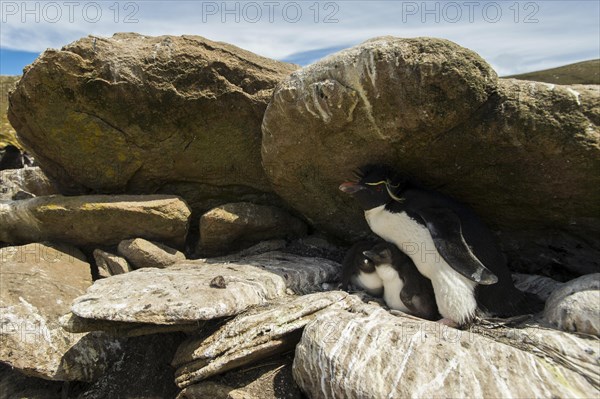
{"x":404,"y":288}
{"x":360,"y":271}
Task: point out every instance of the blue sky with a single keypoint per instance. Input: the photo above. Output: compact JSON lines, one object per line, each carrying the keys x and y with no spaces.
{"x":513,"y":36}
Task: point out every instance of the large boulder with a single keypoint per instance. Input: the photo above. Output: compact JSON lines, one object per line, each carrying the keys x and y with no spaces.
{"x":141,"y":114}
{"x":524,"y":155}
{"x":37,"y":285}
{"x":364,"y":352}
{"x":95,"y":219}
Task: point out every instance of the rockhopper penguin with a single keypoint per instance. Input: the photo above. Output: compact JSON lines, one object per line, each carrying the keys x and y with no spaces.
{"x":447,"y":242}
{"x":404,"y":288}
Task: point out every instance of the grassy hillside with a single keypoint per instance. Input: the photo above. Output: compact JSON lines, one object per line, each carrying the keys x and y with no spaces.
{"x":586,"y":72}
{"x":7,"y":133}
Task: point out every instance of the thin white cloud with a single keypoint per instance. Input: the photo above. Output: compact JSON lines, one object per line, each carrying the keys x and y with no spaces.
{"x":565,"y":32}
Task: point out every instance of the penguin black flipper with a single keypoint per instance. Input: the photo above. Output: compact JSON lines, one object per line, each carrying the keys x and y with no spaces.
{"x":446,"y":231}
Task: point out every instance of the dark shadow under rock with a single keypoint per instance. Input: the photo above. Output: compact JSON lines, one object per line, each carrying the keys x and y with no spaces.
{"x":144,"y":371}
{"x":13,"y":385}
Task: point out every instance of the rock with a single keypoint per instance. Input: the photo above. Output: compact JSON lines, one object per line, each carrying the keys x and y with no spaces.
{"x":316,"y":245}
{"x":95,"y":219}
{"x":271,"y":379}
{"x":110,"y":263}
{"x":30,"y":180}
{"x":250,"y":337}
{"x":37,"y":284}
{"x":240,"y":225}
{"x":365,"y":352}
{"x":539,"y":285}
{"x":576,"y":305}
{"x":142,"y":372}
{"x":142,"y":253}
{"x":438,"y":113}
{"x":75,"y":324}
{"x":169,"y":114}
{"x":103,"y":269}
{"x":181,"y":294}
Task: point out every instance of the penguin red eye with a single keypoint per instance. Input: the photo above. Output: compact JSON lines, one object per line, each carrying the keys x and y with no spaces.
{"x":378,"y":188}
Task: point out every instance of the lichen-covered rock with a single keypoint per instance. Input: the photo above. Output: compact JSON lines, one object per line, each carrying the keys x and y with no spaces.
{"x":365,"y":352}
{"x":143,"y":253}
{"x":235,"y":226}
{"x":171,"y":114}
{"x":201,"y":290}
{"x":37,"y":285}
{"x":524,"y":155}
{"x":576,"y":305}
{"x":251,"y":336}
{"x":111,"y":263}
{"x":95,"y":219}
{"x":25,"y":180}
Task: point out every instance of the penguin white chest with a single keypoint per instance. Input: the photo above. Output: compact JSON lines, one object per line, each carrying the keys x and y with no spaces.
{"x":392,"y":286}
{"x":454,"y":293}
{"x":370,"y":282}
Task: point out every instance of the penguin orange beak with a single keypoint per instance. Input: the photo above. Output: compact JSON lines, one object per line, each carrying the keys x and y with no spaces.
{"x":351,"y":187}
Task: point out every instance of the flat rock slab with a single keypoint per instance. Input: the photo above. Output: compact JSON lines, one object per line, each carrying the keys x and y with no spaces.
{"x":576,"y":305}
{"x":95,"y":219}
{"x":199,"y":290}
{"x":37,"y":285}
{"x":76,"y":324}
{"x":251,"y":336}
{"x":271,"y":379}
{"x":365,"y":352}
{"x":541,"y":286}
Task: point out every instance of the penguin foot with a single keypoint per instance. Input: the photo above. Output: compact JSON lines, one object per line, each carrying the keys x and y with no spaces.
{"x":448,"y":322}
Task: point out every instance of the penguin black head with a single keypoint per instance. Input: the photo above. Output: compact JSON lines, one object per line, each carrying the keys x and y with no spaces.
{"x":379,"y":255}
{"x":366,"y":264}
{"x":377,"y":185}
